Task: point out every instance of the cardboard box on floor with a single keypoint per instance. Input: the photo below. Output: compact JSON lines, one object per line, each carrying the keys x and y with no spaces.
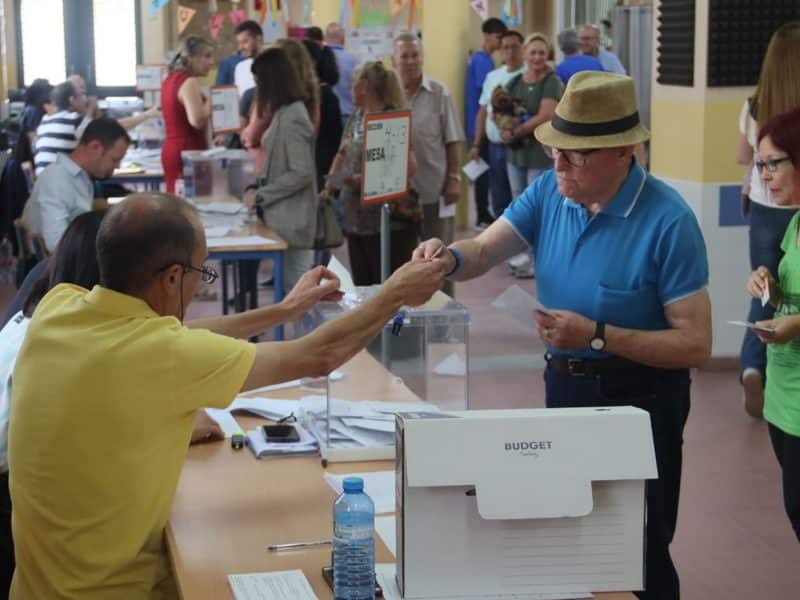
{"x":505,"y":502}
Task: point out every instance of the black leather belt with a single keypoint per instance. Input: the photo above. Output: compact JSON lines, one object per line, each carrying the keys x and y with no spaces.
{"x":581,"y":367}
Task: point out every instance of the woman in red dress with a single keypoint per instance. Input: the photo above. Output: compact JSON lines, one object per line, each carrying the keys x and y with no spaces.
{"x":185,"y":108}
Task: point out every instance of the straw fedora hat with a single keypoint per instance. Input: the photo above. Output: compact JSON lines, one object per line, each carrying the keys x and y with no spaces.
{"x":598,"y":110}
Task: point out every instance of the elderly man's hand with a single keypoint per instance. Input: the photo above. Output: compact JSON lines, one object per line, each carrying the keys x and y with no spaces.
{"x":564,"y":329}
{"x":318,"y":284}
{"x":451,"y":191}
{"x":416,"y":281}
{"x":205,"y":429}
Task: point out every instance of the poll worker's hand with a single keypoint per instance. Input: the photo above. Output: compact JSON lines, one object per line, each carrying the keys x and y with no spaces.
{"x":785,"y":329}
{"x":317,"y":285}
{"x":205,"y":429}
{"x":564,"y":329}
{"x":250,"y":200}
{"x":415,"y":282}
{"x":452,"y":191}
{"x":759,"y":280}
{"x":219,"y":140}
{"x":474,"y":153}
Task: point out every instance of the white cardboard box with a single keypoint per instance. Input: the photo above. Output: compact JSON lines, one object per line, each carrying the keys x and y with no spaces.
{"x":515,"y":502}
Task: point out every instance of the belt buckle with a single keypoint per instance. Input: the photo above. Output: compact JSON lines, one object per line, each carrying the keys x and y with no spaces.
{"x":576,"y":367}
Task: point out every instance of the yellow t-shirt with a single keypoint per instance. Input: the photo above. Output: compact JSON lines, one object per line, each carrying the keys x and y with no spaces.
{"x":104,"y":396}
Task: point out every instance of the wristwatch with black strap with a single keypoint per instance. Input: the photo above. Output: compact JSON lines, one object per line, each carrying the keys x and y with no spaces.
{"x":598,"y":342}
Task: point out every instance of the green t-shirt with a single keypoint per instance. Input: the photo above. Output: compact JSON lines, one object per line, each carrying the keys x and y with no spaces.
{"x":531,"y":154}
{"x":782,"y":404}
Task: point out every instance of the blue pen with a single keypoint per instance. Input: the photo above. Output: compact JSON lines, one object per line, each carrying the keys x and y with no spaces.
{"x":397,"y":322}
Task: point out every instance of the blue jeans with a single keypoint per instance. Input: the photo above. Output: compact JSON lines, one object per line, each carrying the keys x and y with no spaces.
{"x":767,"y":227}
{"x":498,"y":178}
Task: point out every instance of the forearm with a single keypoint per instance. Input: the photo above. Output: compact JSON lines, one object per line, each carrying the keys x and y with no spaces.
{"x":528,"y":126}
{"x":474,"y":262}
{"x":129,"y":123}
{"x":665,"y":349}
{"x":480,"y":126}
{"x":246,"y":324}
{"x":453,"y":150}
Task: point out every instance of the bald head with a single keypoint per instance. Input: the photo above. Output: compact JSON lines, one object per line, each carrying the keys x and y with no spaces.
{"x":142,"y":235}
{"x":334,"y":34}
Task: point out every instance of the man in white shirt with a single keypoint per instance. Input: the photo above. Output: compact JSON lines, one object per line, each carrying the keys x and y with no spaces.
{"x":64,"y":190}
{"x":513,"y":65}
{"x":589,"y":37}
{"x":249,"y":40}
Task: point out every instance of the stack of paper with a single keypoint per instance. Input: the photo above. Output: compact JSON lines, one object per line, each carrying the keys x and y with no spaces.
{"x":280,"y":585}
{"x":261,"y":448}
{"x":355,"y":424}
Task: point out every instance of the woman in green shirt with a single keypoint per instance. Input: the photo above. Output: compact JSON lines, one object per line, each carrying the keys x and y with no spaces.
{"x":538,"y":90}
{"x":779,"y":166}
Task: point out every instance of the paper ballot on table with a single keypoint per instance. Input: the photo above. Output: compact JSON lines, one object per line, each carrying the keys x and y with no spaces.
{"x":269,"y":408}
{"x":224,"y":109}
{"x":378,"y":485}
{"x":261,"y":448}
{"x":216,"y":232}
{"x":475,"y":168}
{"x":334,"y":376}
{"x":279,"y":585}
{"x":385,"y":576}
{"x":225,"y":421}
{"x":345,"y":279}
{"x":247,"y":240}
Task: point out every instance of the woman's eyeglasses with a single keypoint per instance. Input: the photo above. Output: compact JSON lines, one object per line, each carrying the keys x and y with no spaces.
{"x":771,"y":164}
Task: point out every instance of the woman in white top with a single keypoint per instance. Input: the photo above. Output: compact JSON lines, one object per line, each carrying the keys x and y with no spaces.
{"x":778,"y":91}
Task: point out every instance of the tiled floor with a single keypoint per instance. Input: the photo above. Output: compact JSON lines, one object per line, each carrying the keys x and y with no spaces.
{"x":733,"y":540}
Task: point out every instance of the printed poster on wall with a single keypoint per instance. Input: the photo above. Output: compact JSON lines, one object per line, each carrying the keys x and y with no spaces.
{"x":372,"y":42}
{"x":224,"y":109}
{"x":387,"y":144}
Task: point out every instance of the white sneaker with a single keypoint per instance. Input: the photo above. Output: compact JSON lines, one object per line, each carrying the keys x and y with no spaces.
{"x":519,"y":261}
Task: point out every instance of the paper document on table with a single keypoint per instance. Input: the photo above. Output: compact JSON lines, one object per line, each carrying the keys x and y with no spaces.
{"x":262,"y":448}
{"x":378,"y":485}
{"x":216,"y":232}
{"x":386,"y":528}
{"x":280,"y":585}
{"x":385,"y":425}
{"x":475,"y":168}
{"x":246,"y":240}
{"x":225,"y":421}
{"x":385,"y":576}
{"x":228,"y":208}
{"x":517,"y":303}
{"x":345,"y":278}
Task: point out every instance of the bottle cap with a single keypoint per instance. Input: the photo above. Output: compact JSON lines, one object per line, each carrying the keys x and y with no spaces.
{"x":353,"y":485}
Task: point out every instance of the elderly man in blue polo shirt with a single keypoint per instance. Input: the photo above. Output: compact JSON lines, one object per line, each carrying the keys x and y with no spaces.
{"x":622,"y":270}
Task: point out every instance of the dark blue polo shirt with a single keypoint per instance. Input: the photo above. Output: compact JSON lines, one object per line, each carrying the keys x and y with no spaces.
{"x":643,"y":251}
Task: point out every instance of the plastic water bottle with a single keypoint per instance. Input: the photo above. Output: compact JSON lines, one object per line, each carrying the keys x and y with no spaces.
{"x":353,"y":544}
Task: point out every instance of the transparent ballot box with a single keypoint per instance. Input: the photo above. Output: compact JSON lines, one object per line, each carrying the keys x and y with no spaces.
{"x":217,"y":175}
{"x":420,"y":368}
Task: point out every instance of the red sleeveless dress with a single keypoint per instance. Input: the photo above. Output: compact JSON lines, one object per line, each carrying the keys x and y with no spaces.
{"x":180,"y":135}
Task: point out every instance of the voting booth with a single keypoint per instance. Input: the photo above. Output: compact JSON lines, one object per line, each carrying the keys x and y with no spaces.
{"x":509,"y":502}
{"x":419,"y":361}
{"x":217,"y":175}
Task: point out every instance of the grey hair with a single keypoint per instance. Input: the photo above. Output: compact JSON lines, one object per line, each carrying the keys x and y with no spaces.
{"x":568,"y":41}
{"x":407,"y":37}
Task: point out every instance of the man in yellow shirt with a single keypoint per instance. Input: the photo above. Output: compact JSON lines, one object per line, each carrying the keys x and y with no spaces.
{"x":105,"y":389}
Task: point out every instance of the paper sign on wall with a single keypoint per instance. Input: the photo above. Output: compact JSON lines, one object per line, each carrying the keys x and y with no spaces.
{"x":481,"y":8}
{"x":387,"y":145}
{"x":185,"y":15}
{"x":149,"y":77}
{"x":224,"y":109}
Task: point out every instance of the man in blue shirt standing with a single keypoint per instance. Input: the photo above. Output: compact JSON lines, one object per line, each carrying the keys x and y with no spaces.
{"x":589,"y":36}
{"x":621,"y":267}
{"x":574,"y":61}
{"x":347,"y":63}
{"x":480,"y":65}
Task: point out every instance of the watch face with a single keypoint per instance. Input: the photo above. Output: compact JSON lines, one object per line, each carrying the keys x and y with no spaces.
{"x":598,"y":344}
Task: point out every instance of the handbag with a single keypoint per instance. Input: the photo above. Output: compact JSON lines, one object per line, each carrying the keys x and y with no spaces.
{"x":328,"y":232}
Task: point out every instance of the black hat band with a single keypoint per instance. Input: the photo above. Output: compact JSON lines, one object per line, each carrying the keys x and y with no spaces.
{"x":595,"y":129}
